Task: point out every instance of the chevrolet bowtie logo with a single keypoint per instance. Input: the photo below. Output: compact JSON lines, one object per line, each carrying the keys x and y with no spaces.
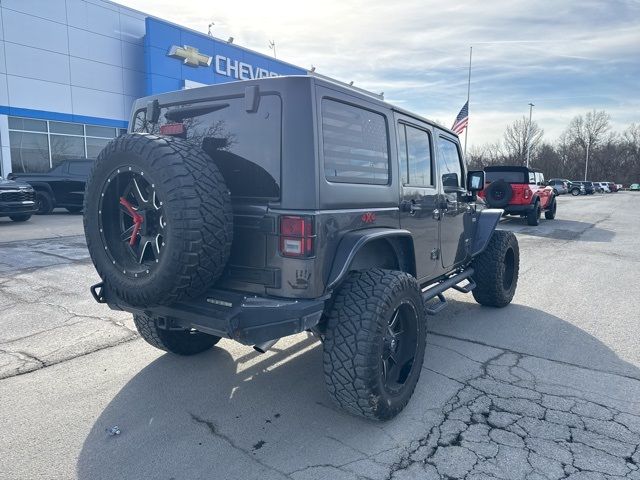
{"x":190,"y":55}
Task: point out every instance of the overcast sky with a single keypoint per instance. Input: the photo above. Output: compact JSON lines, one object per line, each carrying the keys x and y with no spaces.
{"x":567,"y":57}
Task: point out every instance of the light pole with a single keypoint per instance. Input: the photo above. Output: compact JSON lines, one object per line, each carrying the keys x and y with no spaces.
{"x":272,"y":46}
{"x":531,"y":105}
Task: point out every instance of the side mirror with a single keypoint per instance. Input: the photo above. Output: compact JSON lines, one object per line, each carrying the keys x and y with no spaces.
{"x":475,"y":181}
{"x":450,"y":180}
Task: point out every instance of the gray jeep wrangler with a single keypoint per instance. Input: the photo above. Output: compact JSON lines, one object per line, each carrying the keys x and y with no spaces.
{"x":259,"y":209}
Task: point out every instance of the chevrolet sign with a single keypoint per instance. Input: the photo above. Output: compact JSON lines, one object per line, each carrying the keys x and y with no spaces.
{"x":190,"y":55}
{"x":223,"y":65}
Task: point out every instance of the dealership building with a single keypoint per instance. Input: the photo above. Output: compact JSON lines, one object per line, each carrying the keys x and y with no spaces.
{"x":71,"y":69}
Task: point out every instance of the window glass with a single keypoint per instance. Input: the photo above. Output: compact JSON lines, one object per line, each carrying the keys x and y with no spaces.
{"x":246,"y":146}
{"x":64,"y":147}
{"x":95,"y":146}
{"x":68,"y":128}
{"x":355,"y":144}
{"x":79,"y":168}
{"x":449,"y":163}
{"x":402,"y":154}
{"x":541,"y":176}
{"x":16,"y":123}
{"x":29,"y":152}
{"x":532,"y":177}
{"x":104,"y":132}
{"x":417,"y":157}
{"x":508,"y":176}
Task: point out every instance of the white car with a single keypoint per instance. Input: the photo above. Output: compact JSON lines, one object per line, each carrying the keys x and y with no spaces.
{"x":604,"y":186}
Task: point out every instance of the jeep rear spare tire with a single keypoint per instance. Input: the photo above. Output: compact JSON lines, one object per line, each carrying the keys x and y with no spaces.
{"x":157,"y":219}
{"x":498,"y":194}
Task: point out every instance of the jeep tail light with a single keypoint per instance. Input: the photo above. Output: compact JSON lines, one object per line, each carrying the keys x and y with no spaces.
{"x":527,"y":193}
{"x":172,"y":129}
{"x":296,"y":236}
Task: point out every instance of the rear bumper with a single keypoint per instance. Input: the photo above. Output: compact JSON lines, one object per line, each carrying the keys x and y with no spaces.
{"x":518,"y":209}
{"x":18,"y":208}
{"x":248,"y":319}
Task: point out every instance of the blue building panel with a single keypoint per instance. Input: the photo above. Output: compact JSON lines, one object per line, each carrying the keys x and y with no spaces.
{"x":202,"y":59}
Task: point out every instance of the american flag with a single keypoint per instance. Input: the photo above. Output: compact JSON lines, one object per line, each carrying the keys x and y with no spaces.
{"x":462,"y":120}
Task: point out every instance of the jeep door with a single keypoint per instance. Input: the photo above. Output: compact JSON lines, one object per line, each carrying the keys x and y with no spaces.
{"x":418,"y":192}
{"x":453,"y":208}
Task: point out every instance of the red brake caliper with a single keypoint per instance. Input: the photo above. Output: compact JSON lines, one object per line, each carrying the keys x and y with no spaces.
{"x":137,"y":220}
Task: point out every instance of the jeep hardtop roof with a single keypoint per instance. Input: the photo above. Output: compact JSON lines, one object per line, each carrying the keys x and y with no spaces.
{"x":511,"y":168}
{"x":198,"y":93}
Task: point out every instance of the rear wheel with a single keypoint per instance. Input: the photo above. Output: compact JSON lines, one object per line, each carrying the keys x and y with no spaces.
{"x":496,"y":270}
{"x":575,"y":192}
{"x":44,"y":203}
{"x":550,"y":213}
{"x":374,"y":343}
{"x":180,"y":342}
{"x":19,"y":218}
{"x":533,"y":217}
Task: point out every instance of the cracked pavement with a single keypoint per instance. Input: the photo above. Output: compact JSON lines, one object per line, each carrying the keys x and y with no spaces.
{"x":547,"y":388}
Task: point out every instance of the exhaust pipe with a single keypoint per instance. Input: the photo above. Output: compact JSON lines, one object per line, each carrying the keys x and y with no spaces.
{"x":264,"y":346}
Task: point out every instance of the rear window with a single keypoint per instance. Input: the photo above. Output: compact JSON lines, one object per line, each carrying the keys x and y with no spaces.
{"x":244,"y":145}
{"x":355,"y":144}
{"x":509,"y":177}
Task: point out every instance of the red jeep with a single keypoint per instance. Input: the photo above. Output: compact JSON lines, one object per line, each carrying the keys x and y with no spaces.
{"x":519,"y":191}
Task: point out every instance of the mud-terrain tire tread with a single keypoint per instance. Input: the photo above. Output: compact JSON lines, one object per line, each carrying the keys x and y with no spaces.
{"x":180,"y":342}
{"x":201,"y":217}
{"x":352,"y":341}
{"x":489,"y":290}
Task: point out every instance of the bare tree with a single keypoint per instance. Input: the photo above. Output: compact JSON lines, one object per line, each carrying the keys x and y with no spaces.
{"x":518,"y":136}
{"x":588,"y":132}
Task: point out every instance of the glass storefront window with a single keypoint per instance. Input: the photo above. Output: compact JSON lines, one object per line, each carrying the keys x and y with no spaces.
{"x":29,"y":152}
{"x":39,"y":145}
{"x":66,"y":128}
{"x":65,"y":147}
{"x":104,"y":132}
{"x":95,"y":145}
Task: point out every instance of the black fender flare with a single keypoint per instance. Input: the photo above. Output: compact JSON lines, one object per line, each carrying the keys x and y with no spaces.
{"x":352,"y":242}
{"x":486,"y":223}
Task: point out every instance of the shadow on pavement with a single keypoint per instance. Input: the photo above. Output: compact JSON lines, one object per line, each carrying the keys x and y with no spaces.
{"x":210,"y":416}
{"x":559,"y":229}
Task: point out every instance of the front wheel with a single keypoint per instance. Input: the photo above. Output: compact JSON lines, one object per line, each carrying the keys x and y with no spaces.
{"x":180,"y":342}
{"x":44,"y":203}
{"x":575,"y":192}
{"x":374,"y":343}
{"x":19,"y":218}
{"x":496,"y":270}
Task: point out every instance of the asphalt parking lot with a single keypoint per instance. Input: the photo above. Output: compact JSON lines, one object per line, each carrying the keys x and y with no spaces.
{"x":546,"y":388}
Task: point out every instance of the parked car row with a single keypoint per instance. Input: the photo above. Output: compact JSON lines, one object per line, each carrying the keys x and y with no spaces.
{"x":579,"y":187}
{"x":61,"y":187}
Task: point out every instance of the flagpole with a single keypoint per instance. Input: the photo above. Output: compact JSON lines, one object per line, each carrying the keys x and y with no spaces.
{"x":466,"y":130}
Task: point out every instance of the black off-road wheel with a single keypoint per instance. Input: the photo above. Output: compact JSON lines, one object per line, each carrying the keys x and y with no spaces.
{"x":550,"y":213}
{"x":496,"y":270}
{"x":374,"y":343}
{"x":180,"y":342}
{"x":157,"y":218}
{"x":19,"y":218}
{"x":44,"y":203}
{"x":533,"y":217}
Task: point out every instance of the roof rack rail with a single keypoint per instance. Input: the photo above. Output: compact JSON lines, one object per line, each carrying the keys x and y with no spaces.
{"x":379,"y":96}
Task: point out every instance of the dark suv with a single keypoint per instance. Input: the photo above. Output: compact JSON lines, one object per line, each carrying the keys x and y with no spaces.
{"x":17,"y":200}
{"x":259,"y":209}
